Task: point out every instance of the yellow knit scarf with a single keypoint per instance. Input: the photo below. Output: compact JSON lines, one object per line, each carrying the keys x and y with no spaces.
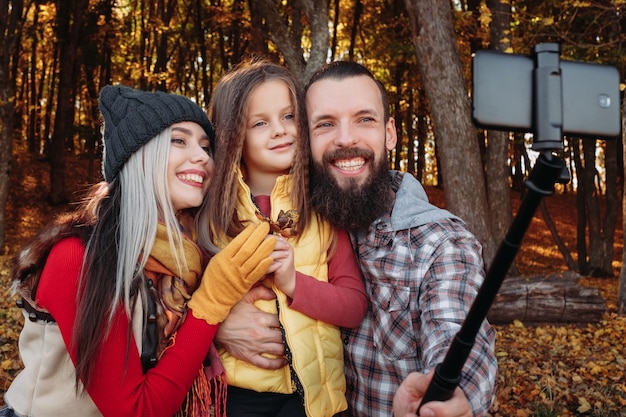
{"x":174,"y":285}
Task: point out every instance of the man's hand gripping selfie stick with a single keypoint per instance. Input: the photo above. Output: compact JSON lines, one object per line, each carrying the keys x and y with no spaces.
{"x":547,"y":171}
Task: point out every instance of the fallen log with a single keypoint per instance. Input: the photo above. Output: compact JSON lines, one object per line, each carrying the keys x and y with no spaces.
{"x":551,"y":298}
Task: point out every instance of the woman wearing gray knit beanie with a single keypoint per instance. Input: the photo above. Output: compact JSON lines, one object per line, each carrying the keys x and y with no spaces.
{"x":105,"y":289}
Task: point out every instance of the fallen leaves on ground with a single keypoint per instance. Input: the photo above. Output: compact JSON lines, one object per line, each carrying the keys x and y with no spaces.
{"x":544,"y":370}
{"x":565,"y":370}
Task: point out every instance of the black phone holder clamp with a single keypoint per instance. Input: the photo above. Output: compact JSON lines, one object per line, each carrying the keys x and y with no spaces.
{"x":548,"y":98}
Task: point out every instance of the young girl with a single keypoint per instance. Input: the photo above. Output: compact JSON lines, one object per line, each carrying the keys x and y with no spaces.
{"x":261,"y":175}
{"x":97,"y":284}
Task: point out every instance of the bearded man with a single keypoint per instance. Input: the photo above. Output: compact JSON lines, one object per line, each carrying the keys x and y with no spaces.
{"x":421,"y":266}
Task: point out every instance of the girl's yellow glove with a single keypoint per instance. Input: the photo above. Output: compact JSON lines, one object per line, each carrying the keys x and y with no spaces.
{"x":232,"y":272}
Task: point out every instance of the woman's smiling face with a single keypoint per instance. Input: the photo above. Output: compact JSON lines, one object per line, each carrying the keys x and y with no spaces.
{"x":190,"y":165}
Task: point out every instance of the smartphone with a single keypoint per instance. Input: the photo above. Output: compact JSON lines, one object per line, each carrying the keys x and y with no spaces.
{"x":503,"y":95}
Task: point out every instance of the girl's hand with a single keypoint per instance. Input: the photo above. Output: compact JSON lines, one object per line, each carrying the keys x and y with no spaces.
{"x":283,"y":267}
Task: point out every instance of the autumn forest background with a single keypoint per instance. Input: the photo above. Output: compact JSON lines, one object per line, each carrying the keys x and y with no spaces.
{"x":55,"y":55}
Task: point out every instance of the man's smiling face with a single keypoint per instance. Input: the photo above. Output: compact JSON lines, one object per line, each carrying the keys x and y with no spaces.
{"x":349,"y":139}
{"x":348,"y":133}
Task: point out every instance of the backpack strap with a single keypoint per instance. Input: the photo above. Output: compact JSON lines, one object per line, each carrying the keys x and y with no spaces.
{"x":33,"y":313}
{"x":150,"y":338}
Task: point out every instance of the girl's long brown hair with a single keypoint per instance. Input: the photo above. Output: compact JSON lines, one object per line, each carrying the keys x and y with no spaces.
{"x":227,"y":111}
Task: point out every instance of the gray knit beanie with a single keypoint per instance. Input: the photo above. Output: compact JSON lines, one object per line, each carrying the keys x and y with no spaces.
{"x":133,"y":117}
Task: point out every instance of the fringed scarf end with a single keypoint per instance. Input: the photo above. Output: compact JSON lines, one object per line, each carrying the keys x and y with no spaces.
{"x":207,"y":397}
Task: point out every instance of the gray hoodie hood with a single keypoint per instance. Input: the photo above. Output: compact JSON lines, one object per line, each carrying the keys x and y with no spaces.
{"x":411,"y":208}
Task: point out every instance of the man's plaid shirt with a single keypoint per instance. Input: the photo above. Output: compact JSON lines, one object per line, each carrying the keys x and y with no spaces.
{"x":422,"y":271}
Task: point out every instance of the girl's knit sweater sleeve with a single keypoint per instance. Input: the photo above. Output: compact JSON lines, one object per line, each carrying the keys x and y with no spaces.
{"x":120,"y":388}
{"x":342,"y":300}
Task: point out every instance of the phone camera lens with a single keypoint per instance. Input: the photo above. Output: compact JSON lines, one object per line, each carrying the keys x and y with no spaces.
{"x":604,"y":101}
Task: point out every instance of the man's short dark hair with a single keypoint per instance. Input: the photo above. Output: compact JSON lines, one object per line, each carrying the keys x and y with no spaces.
{"x":339,"y":70}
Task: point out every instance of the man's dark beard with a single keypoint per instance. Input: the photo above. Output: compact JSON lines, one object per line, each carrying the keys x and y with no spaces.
{"x":353,"y":207}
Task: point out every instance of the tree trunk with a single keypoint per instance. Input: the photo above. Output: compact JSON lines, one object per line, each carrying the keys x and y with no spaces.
{"x":316,"y":12}
{"x":356,"y":18}
{"x":10,"y":27}
{"x":199,"y":24}
{"x":51,"y":88}
{"x":397,"y":115}
{"x":610,"y":213}
{"x":258,"y":29}
{"x":621,"y":292}
{"x":422,"y":135}
{"x":553,"y":298}
{"x":33,"y":94}
{"x":517,"y":167}
{"x":581,"y":219}
{"x":164,"y":14}
{"x":70,"y":21}
{"x":593,"y":208}
{"x":143,"y":41}
{"x":444,"y":83}
{"x":334,"y":40}
{"x":410,"y":133}
{"x":600,"y":233}
{"x":569,"y":261}
{"x":498,"y":190}
{"x":96,"y":62}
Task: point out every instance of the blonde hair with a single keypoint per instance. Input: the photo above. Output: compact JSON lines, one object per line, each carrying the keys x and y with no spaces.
{"x":144,"y":203}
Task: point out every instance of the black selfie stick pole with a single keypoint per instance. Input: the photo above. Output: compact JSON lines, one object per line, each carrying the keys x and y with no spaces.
{"x":448,"y":373}
{"x":547,"y":171}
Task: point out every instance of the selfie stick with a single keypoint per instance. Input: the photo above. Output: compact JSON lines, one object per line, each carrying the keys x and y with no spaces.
{"x":547,"y":171}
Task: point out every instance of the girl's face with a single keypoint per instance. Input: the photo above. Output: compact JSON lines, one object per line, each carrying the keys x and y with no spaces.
{"x":190,"y":165}
{"x":271,"y":130}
